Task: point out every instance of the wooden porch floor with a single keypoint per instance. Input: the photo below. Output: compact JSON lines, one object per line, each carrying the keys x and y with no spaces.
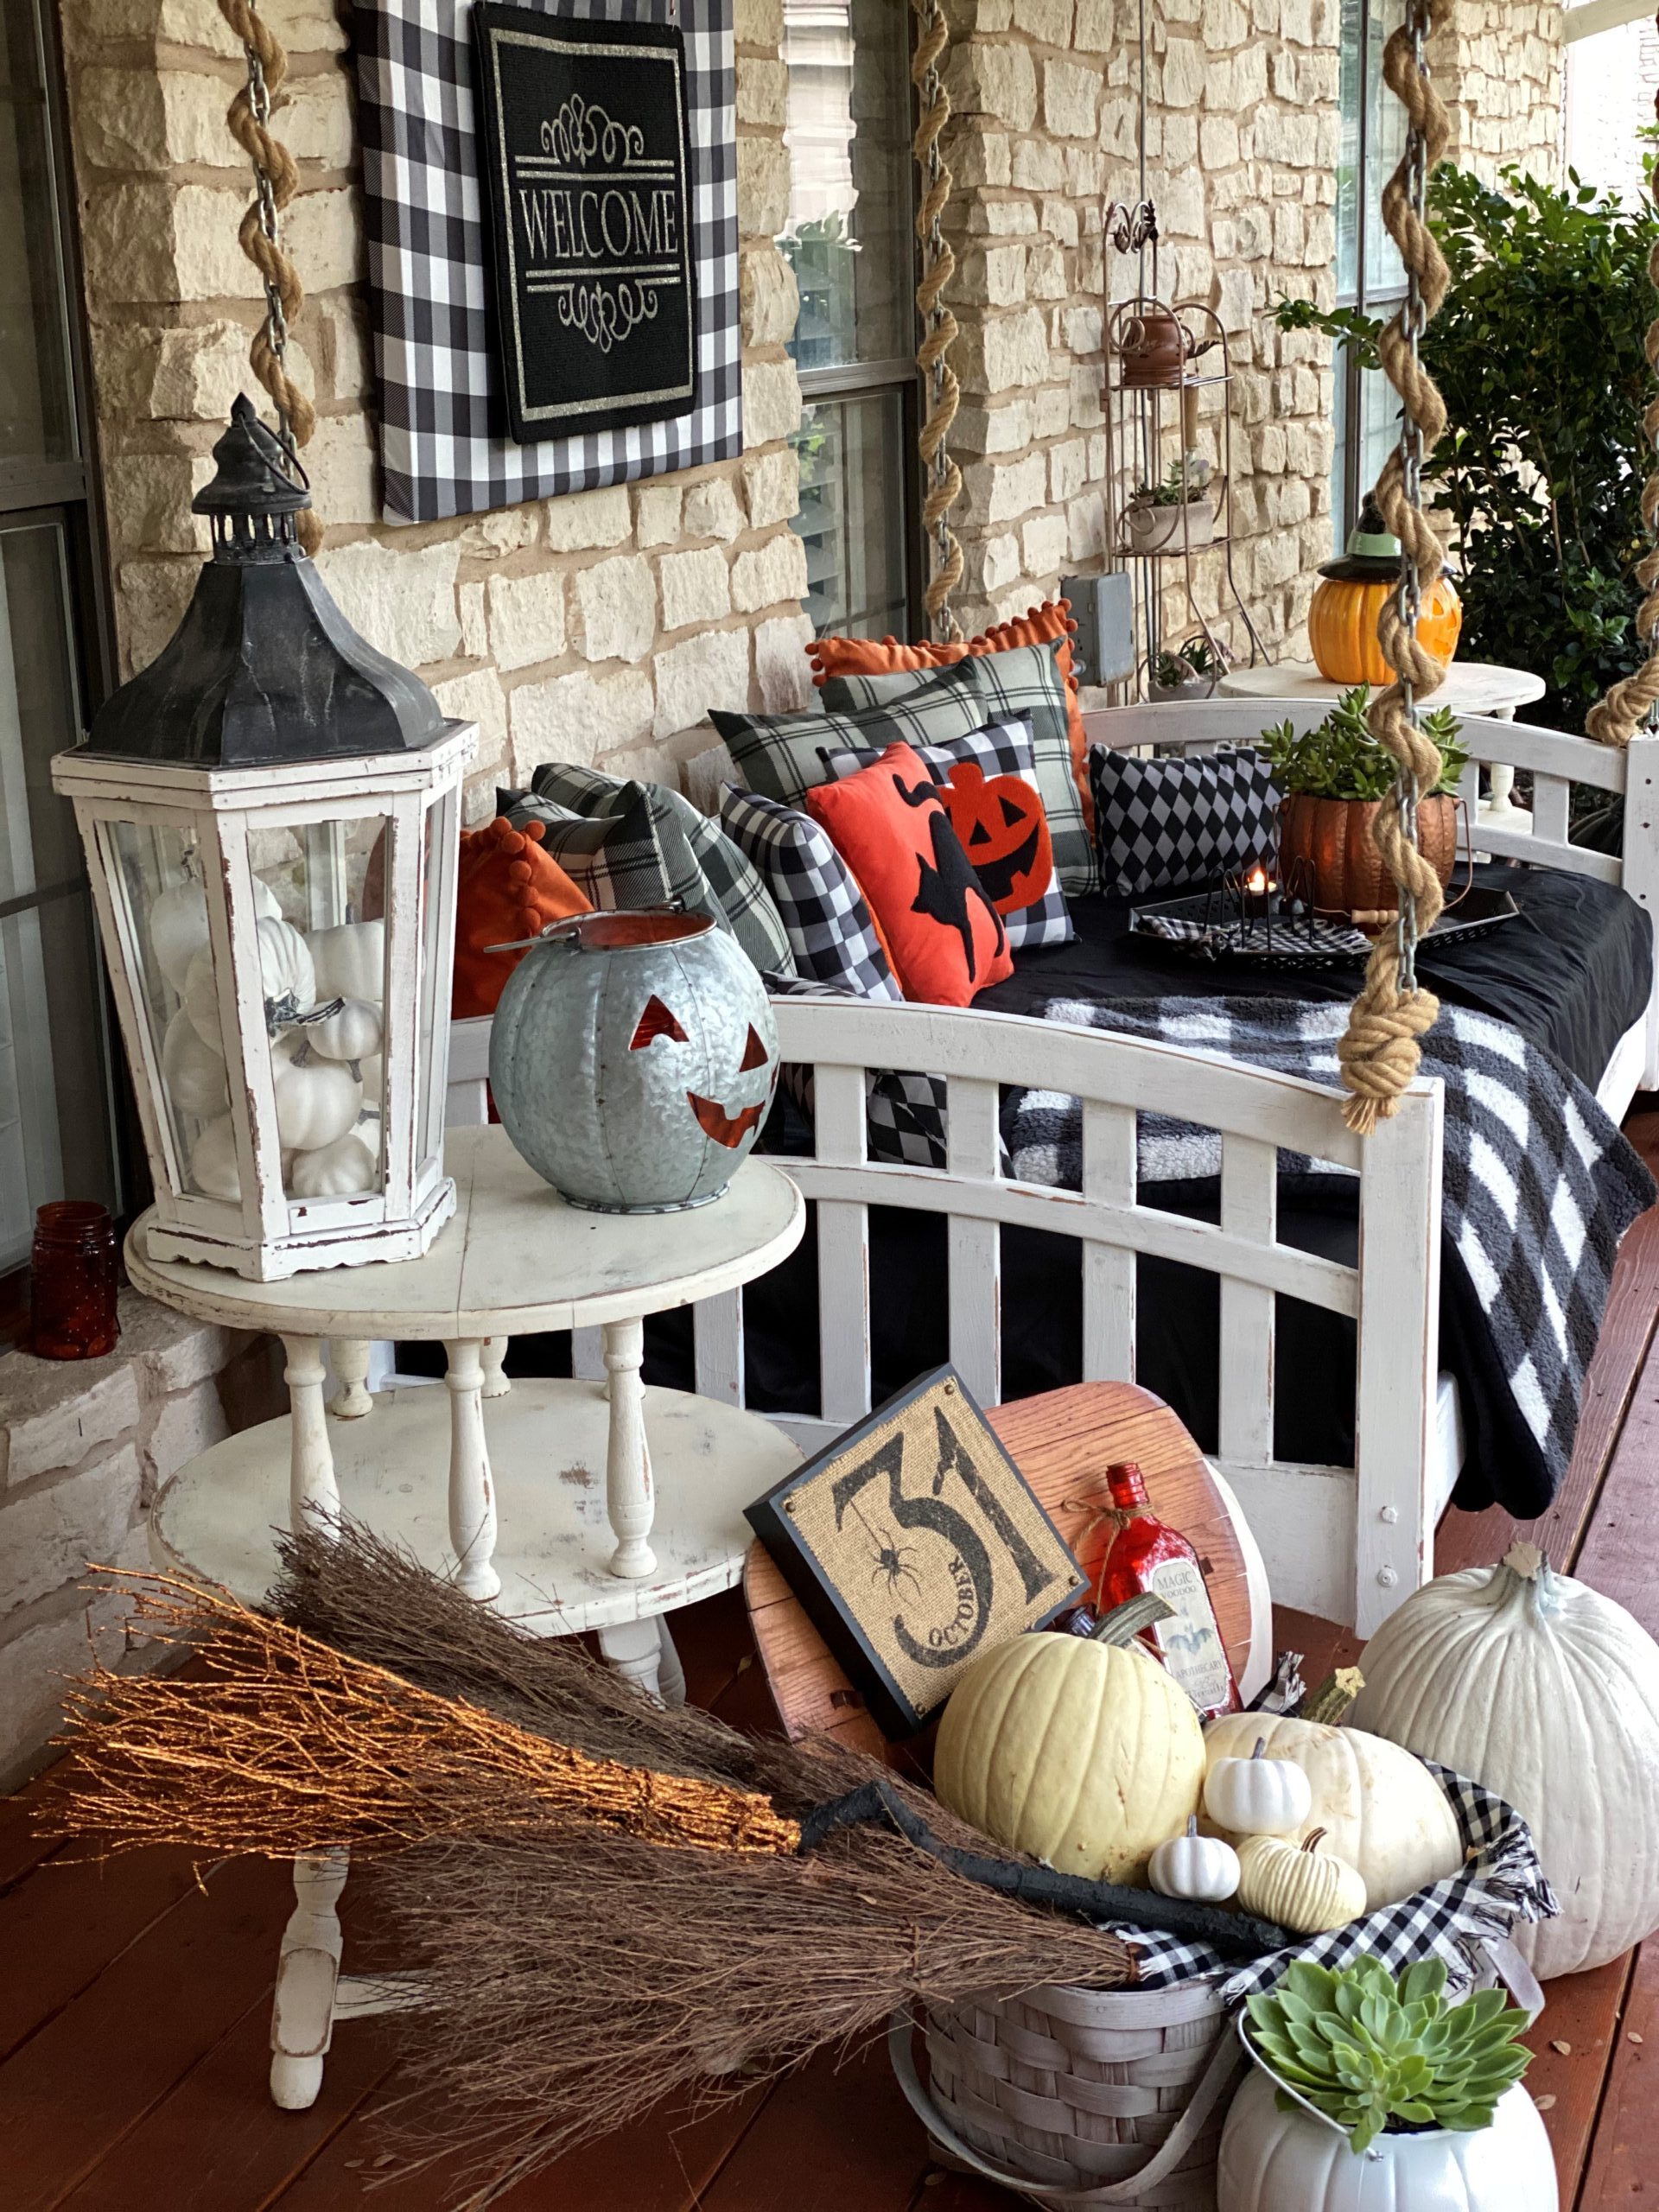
{"x":135,"y":1999}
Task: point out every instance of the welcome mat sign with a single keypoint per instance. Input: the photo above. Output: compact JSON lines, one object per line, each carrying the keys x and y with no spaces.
{"x":585,"y":161}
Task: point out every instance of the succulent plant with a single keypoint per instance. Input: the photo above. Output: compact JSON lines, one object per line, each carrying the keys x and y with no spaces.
{"x":1342,"y":760}
{"x":1371,"y":2053}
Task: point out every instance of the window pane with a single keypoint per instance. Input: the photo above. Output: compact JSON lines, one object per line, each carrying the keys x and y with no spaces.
{"x":54,"y":1121}
{"x":1351,"y":91}
{"x":851,"y":453}
{"x":1379,"y":424}
{"x":37,"y":414}
{"x":1385,"y":143}
{"x":849,"y":237}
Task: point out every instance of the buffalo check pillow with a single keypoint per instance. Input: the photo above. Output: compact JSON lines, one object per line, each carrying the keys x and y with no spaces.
{"x":830,"y":931}
{"x":1181,"y":824}
{"x":622,"y":861}
{"x":989,"y":784}
{"x":778,"y":755}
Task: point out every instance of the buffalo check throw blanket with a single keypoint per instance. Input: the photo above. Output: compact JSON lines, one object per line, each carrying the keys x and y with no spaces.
{"x":1539,"y":1186}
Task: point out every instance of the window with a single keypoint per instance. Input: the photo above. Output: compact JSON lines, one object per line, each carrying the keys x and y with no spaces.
{"x":1368,"y":271}
{"x":850,"y":243}
{"x":56,"y":1125}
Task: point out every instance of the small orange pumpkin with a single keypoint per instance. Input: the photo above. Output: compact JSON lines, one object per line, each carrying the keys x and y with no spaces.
{"x":1326,"y":851}
{"x":1342,"y":620}
{"x":1004,"y":832}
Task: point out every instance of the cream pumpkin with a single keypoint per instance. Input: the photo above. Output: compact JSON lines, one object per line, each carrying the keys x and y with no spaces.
{"x":1308,"y":1890}
{"x":1087,"y":1755}
{"x":1381,"y":1808}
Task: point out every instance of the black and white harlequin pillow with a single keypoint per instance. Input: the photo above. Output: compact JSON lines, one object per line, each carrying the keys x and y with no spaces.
{"x":1181,"y":823}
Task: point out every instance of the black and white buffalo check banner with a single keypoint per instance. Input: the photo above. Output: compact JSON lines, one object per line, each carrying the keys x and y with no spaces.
{"x":445,"y":443}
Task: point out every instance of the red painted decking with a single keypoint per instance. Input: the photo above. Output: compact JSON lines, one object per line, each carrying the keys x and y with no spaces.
{"x":135,"y":2002}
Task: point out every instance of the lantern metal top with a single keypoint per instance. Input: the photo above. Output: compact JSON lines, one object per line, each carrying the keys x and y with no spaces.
{"x":265,"y":669}
{"x":1373,"y":555}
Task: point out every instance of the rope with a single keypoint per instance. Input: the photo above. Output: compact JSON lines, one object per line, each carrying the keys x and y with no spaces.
{"x":1380,"y":1053}
{"x":939,"y":472}
{"x":276,"y":181}
{"x":1616,"y":718}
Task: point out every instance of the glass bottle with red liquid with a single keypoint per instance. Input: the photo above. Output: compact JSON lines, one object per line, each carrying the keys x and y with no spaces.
{"x":72,"y":1312}
{"x":1147,"y":1553}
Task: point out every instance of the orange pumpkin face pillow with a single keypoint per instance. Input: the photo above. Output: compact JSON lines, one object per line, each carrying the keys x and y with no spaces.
{"x":989,"y":784}
{"x":942,"y":930}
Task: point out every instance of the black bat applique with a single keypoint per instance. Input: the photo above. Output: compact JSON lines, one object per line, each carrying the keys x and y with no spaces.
{"x":947,"y":886}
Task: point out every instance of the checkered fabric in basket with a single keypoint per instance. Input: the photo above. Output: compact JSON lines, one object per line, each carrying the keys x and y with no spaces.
{"x":1179,"y":824}
{"x":1003,"y":749}
{"x":429,"y":283}
{"x":1500,"y":1882}
{"x":829,"y":925}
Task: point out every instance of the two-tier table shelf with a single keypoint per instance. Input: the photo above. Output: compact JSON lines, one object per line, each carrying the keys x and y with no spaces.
{"x":566,"y":1505}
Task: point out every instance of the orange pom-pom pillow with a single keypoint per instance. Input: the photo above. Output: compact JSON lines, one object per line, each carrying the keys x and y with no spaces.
{"x":941,"y":928}
{"x":506,"y":889}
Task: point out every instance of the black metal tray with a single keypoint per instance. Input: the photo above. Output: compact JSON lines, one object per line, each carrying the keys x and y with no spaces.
{"x":1208,"y":926}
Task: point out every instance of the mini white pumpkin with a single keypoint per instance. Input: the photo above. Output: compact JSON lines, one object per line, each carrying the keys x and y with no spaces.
{"x":353,"y":1034}
{"x":1258,"y":1796}
{"x":285,"y":974}
{"x":350,"y":961}
{"x":192,"y":1071}
{"x":178,"y":925}
{"x":1548,"y":1693}
{"x":339,"y":1170}
{"x":213,"y":1160}
{"x":1300,"y":1886}
{"x":1201,"y":1867}
{"x":316,"y":1101}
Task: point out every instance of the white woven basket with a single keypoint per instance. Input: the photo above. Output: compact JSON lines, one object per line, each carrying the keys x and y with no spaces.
{"x":1081,"y":2096}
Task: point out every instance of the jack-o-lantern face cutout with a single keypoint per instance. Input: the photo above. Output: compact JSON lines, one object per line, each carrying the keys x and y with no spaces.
{"x":1004,"y":832}
{"x":723,"y":1126}
{"x":656,"y":1021}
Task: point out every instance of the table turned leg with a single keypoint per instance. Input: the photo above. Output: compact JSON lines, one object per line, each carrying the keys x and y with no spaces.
{"x":491,"y":1353}
{"x":312,"y":1490}
{"x":634,"y":1650}
{"x":472,"y":1485}
{"x":351,"y":1356}
{"x":672,"y":1674}
{"x":628,"y":1496}
{"x":307,"y":1968}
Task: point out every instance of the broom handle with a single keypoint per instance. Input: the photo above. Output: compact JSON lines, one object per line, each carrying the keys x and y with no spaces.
{"x":1234,"y":1935}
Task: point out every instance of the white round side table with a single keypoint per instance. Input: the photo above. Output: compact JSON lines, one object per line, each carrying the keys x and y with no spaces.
{"x":569,"y":1506}
{"x":1472,"y":687}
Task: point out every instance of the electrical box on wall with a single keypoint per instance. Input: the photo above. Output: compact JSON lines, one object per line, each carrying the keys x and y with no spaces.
{"x":1102,"y":608}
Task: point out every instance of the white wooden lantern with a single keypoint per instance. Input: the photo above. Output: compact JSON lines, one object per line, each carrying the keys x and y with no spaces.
{"x":271,"y":819}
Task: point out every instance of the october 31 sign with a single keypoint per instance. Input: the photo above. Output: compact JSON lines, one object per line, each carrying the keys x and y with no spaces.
{"x":585,"y":163}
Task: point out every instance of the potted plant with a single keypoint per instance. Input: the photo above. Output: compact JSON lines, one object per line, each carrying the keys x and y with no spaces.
{"x":1354,"y":2072}
{"x":1180,"y":512}
{"x":1189,"y":670}
{"x":1332,"y":777}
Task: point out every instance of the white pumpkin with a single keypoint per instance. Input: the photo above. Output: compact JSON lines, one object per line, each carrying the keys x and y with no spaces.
{"x":1201,"y":1867}
{"x":1295,"y":2160}
{"x":192,"y":1072}
{"x":350,"y":961}
{"x":316,"y":1101}
{"x":1548,"y":1693}
{"x":178,"y":925}
{"x":1306,"y":1888}
{"x":284,"y":969}
{"x":213,"y":1160}
{"x":1381,"y":1810}
{"x":1258,"y":1796}
{"x":339,"y":1170}
{"x":353,"y":1034}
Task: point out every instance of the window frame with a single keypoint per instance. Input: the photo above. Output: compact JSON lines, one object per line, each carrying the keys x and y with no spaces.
{"x":1348,"y":493}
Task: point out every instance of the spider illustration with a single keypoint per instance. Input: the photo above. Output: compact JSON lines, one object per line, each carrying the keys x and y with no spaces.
{"x":893,"y":1564}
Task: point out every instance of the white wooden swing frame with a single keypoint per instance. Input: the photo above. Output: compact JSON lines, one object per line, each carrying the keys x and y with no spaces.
{"x":1349,"y":1543}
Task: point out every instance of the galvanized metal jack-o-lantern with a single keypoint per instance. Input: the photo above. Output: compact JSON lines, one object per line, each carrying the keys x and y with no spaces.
{"x":270,"y":814}
{"x":632,"y":1059}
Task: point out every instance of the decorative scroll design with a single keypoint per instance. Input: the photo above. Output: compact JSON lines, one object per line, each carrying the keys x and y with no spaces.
{"x":1130,"y":228}
{"x":276,"y":181}
{"x":941,"y":474}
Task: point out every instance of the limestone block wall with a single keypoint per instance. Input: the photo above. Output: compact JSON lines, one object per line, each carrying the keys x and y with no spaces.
{"x":1499,"y":67}
{"x":84,"y":1447}
{"x":600,"y":627}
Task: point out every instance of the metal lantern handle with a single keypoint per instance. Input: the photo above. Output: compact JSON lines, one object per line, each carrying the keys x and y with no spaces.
{"x":569,"y":928}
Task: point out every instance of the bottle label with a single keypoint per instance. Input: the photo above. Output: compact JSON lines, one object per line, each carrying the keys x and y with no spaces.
{"x":1191,"y":1642}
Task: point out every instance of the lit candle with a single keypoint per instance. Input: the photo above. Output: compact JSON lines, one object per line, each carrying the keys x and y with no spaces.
{"x":1258,"y":888}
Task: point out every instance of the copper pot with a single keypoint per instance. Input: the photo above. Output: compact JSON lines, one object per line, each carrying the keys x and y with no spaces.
{"x":1154,"y":347}
{"x":1326,"y":851}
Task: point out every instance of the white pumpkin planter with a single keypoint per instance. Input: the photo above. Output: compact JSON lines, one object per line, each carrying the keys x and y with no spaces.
{"x":1548,"y":1694}
{"x":1300,"y":2161}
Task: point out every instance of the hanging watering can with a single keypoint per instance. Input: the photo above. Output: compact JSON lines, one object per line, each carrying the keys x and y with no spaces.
{"x":632,"y":1059}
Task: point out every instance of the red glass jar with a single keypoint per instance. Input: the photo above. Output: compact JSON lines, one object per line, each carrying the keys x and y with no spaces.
{"x":73,"y":1282}
{"x":1147,"y":1553}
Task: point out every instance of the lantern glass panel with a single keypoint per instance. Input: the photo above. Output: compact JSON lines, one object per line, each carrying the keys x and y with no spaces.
{"x":437,"y":832}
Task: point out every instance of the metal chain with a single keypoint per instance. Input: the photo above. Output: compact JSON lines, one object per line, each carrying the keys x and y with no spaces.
{"x":943,"y":478}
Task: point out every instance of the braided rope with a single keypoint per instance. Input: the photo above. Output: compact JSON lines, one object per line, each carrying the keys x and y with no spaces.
{"x":940,"y":472}
{"x":1380,"y":1053}
{"x":1616,"y":718}
{"x":275,"y":181}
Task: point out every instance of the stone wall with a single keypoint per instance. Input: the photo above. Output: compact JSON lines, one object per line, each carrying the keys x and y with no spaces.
{"x":1499,"y":69}
{"x":84,"y":1447}
{"x":599,"y":628}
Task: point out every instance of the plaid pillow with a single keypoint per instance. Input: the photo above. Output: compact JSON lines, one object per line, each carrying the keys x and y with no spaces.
{"x":830,"y":931}
{"x":632,"y":857}
{"x":1003,"y":750}
{"x":732,"y":890}
{"x":1024,"y":684}
{"x":1181,"y":823}
{"x":778,"y":755}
